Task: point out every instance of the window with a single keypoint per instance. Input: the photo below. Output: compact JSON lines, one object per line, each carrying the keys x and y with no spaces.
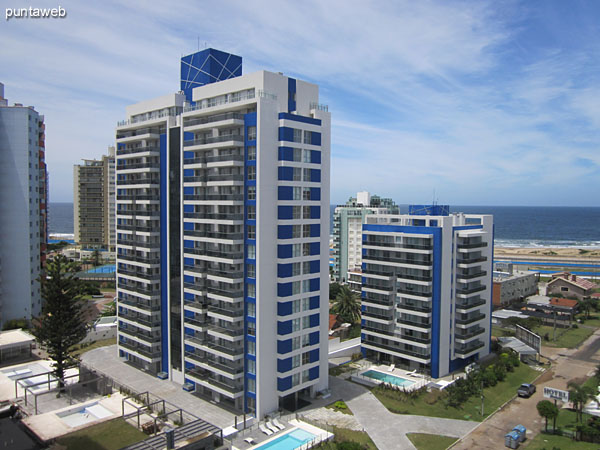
{"x":305,"y":231}
{"x":251,"y":153}
{"x":296,"y":250}
{"x":306,"y":173}
{"x":295,"y":361}
{"x":251,"y":347}
{"x":295,"y":325}
{"x":307,"y":137}
{"x":295,"y":287}
{"x":305,"y":376}
{"x":305,"y":358}
{"x":296,"y":193}
{"x":251,"y":251}
{"x":251,"y":133}
{"x":306,"y":249}
{"x":295,"y":379}
{"x":305,"y":285}
{"x":296,"y":231}
{"x":564,"y":289}
{"x":297,"y":174}
{"x":252,"y":172}
{"x":251,"y":212}
{"x":296,"y":343}
{"x":251,"y":309}
{"x":305,"y":193}
{"x":251,"y":231}
{"x":251,"y":192}
{"x":251,"y":328}
{"x":305,"y":340}
{"x":297,"y":135}
{"x":251,"y":385}
{"x":251,"y":290}
{"x":305,"y":304}
{"x":306,"y":212}
{"x":305,"y":322}
{"x":251,"y":365}
{"x":295,"y":306}
{"x":251,"y":270}
{"x":296,"y":269}
{"x":306,"y":156}
{"x":296,"y":212}
{"x":297,"y":154}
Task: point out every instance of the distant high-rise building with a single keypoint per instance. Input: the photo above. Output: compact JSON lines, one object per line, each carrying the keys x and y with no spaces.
{"x":24,"y":218}
{"x":347,"y":226}
{"x":94,"y":202}
{"x":427,"y":289}
{"x":222,"y":235}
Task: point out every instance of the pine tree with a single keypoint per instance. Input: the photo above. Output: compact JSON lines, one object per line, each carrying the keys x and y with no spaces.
{"x":61,"y":324}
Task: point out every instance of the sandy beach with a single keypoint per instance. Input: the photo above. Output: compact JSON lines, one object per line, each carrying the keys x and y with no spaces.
{"x":561,"y":253}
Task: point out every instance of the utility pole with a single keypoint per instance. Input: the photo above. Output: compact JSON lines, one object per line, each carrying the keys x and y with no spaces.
{"x":554,"y":330}
{"x":481,"y":398}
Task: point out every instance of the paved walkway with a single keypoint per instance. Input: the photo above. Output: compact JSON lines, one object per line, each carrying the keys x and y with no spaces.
{"x":106,"y":361}
{"x":386,"y":429}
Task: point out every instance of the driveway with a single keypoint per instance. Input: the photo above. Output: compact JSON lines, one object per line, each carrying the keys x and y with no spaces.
{"x":386,"y":429}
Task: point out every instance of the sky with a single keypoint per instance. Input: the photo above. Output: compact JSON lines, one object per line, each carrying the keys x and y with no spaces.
{"x":461,"y":102}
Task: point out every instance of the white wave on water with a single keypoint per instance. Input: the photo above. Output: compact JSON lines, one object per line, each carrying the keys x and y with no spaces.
{"x":533,"y":243}
{"x":61,"y":235}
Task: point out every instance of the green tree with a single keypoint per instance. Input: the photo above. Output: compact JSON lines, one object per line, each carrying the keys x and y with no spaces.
{"x":334,"y":290}
{"x":586,"y":304}
{"x":547,"y":410}
{"x":61,"y":324}
{"x":579,"y":395}
{"x":14,"y":324}
{"x":96,"y":258}
{"x":347,"y":305}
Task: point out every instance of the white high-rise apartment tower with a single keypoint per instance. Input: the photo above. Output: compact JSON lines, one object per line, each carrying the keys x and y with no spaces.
{"x":23,"y":222}
{"x":222,"y":224}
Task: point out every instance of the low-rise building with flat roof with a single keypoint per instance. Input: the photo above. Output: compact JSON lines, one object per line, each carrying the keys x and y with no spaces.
{"x":511,"y":285}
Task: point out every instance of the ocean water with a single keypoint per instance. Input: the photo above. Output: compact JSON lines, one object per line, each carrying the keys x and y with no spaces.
{"x":60,"y":218}
{"x":536,"y":226}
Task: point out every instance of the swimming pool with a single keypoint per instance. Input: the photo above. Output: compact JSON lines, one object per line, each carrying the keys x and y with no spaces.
{"x":289,"y":441}
{"x":84,"y":414}
{"x":108,"y":268}
{"x":388,"y":378}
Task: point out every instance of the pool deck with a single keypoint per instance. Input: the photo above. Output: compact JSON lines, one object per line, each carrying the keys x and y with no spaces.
{"x":418,"y":380}
{"x":261,"y":439}
{"x":50,"y":426}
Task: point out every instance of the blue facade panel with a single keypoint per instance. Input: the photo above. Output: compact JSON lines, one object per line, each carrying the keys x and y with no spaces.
{"x":284,"y":327}
{"x":315,"y":194}
{"x":164,"y":261}
{"x":284,"y":365}
{"x":299,"y":118}
{"x":284,"y":270}
{"x":313,"y":338}
{"x":283,"y":384}
{"x":314,"y":302}
{"x":315,"y":138}
{"x":291,"y":94}
{"x":315,"y":175}
{"x":286,"y":134}
{"x":285,"y":212}
{"x":284,"y":231}
{"x":315,"y":230}
{"x":313,"y":355}
{"x":286,"y":154}
{"x":315,"y":156}
{"x":284,"y":251}
{"x":315,"y":211}
{"x":284,"y":308}
{"x":286,"y":193}
{"x":284,"y":289}
{"x":285,"y":173}
{"x":315,"y":248}
{"x":314,"y":320}
{"x":315,"y":266}
{"x":284,"y":347}
{"x":315,"y":284}
{"x":313,"y":373}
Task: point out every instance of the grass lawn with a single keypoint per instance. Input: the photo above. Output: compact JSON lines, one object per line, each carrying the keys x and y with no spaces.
{"x":430,"y":441}
{"x":501,"y":332}
{"x":97,"y":344}
{"x":593,"y":321}
{"x":340,"y":406}
{"x":549,"y":441}
{"x":569,"y":338}
{"x":111,"y":435}
{"x":345,"y":435}
{"x":494,"y":397}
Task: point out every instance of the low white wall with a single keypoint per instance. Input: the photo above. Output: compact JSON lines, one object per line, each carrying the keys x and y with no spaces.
{"x":345,"y":348}
{"x":100,"y":333}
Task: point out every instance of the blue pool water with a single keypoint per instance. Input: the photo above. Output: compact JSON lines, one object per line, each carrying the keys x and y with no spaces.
{"x":108,"y":268}
{"x":290,"y":441}
{"x":387,"y":378}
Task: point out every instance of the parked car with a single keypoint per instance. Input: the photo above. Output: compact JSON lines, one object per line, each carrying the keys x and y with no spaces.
{"x":526,"y":390}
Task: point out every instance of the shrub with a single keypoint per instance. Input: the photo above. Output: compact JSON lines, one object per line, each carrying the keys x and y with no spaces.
{"x":340,"y":405}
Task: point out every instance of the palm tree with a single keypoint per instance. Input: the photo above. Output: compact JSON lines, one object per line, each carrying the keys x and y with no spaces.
{"x":586,"y":304}
{"x":579,"y":395}
{"x":347,"y":305}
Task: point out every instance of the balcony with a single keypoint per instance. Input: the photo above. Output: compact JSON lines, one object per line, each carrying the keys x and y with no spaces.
{"x":470,"y":303}
{"x":471,"y":260}
{"x":212,"y":119}
{"x":413,"y":277}
{"x":211,"y":235}
{"x":413,"y":262}
{"x":135,"y":243}
{"x":425,"y":295}
{"x":470,"y":276}
{"x":143,"y":228}
{"x":368,"y":314}
{"x":141,"y":349}
{"x":419,"y":340}
{"x":214,"y":197}
{"x":470,"y":290}
{"x":425,"y":308}
{"x":138,"y":334}
{"x":139,"y":274}
{"x":137,"y":258}
{"x":233,"y":313}
{"x":469,"y":245}
{"x":465,"y":350}
{"x":233,"y":369}
{"x":229,"y":332}
{"x":226,"y":293}
{"x":212,"y":216}
{"x":130,"y":151}
{"x":141,"y":319}
{"x":139,"y":289}
{"x":399,"y":349}
{"x":384,"y":331}
{"x":204,"y":377}
{"x":414,"y":322}
{"x":145,"y":165}
{"x":470,"y":319}
{"x":138,"y":181}
{"x":140,"y":304}
{"x":469,"y":333}
{"x":238,"y":138}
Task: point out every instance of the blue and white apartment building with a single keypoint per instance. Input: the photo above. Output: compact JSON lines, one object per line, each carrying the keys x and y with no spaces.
{"x":427,"y":289}
{"x":222,"y":235}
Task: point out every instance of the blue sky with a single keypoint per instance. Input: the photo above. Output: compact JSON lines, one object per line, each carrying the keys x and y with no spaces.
{"x":485,"y":103}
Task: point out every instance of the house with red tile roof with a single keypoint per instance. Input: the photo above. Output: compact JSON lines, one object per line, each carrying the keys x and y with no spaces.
{"x":569,"y":285}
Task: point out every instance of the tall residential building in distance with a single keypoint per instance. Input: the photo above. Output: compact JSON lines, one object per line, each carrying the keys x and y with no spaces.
{"x":94,"y":202}
{"x":222,"y":224}
{"x":427,"y":289}
{"x":24,"y":218}
{"x":347,"y":231}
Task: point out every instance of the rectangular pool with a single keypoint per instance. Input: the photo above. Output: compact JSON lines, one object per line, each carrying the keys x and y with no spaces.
{"x":84,"y":414}
{"x":388,"y":378}
{"x":290,"y":441}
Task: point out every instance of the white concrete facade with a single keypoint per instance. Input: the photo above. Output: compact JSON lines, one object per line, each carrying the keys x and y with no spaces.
{"x":246,"y":240}
{"x":23,"y":225}
{"x":427,"y":288}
